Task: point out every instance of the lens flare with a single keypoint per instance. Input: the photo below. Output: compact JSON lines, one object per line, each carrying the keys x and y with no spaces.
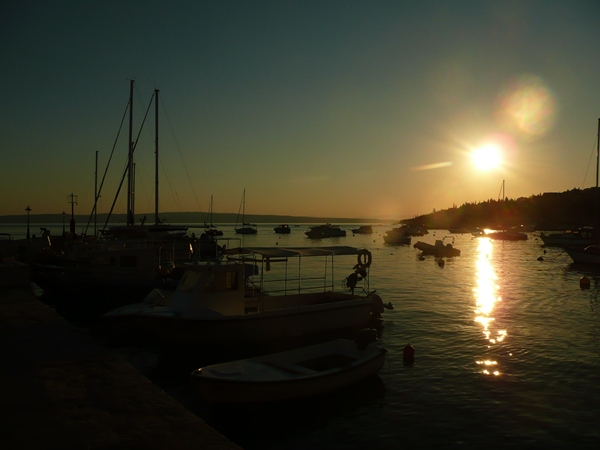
{"x":528,"y":107}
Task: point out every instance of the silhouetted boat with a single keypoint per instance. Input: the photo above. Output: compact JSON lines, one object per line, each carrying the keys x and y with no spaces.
{"x":586,"y":255}
{"x":397,"y":236}
{"x":252,"y":298}
{"x":282,"y":229}
{"x":325,"y":231}
{"x":363,"y":229}
{"x":246,"y":228}
{"x":583,"y":236}
{"x":439,"y":249}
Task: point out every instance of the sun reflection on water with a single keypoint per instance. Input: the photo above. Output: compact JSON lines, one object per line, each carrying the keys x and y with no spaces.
{"x":486,"y":296}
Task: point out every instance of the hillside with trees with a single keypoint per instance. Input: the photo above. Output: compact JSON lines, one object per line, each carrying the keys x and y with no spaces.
{"x":548,"y":211}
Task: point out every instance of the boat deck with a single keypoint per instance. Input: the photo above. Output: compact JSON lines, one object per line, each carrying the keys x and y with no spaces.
{"x":62,"y":389}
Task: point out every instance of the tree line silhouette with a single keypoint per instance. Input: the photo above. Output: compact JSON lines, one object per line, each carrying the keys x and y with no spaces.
{"x":548,"y":211}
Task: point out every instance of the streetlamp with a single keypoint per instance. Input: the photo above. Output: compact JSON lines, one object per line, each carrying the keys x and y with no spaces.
{"x":28,"y":209}
{"x":63,"y":214}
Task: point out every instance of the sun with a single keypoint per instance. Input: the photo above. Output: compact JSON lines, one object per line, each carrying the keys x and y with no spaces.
{"x":486,"y":157}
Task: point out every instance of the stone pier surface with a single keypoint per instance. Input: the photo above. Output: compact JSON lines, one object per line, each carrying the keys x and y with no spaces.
{"x":60,"y":389}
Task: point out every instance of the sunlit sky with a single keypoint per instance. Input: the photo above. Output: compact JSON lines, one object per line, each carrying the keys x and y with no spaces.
{"x":346,"y":108}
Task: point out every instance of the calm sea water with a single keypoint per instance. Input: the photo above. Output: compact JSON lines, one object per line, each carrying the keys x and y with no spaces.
{"x":507,"y":349}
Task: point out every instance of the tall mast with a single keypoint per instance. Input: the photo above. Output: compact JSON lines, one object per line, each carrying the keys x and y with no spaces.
{"x":597,"y":151}
{"x":130,"y":177}
{"x":156,"y":219}
{"x":95,"y":198}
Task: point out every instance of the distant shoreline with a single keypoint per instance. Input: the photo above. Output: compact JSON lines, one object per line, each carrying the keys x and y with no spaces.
{"x":183,"y":218}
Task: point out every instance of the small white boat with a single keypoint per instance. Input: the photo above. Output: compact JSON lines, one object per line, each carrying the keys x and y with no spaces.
{"x":293,"y":374}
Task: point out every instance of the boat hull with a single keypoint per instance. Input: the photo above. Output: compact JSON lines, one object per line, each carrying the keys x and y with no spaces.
{"x":299,"y":373}
{"x":584,"y":255}
{"x":279,"y":326}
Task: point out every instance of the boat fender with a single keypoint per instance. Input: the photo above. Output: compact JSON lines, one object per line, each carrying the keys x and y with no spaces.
{"x":364,"y":259}
{"x":584,"y":283}
{"x":408,"y":354}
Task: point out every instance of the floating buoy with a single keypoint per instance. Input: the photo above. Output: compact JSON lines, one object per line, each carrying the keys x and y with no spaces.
{"x":441,"y":262}
{"x":421,"y":258}
{"x":584,"y":283}
{"x":541,"y":258}
{"x":408,"y":354}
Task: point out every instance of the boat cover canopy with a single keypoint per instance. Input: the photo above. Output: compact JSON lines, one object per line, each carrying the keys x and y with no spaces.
{"x":287,"y":252}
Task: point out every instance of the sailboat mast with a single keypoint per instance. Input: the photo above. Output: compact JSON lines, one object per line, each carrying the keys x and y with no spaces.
{"x":244,"y":208}
{"x":130,"y":178}
{"x":597,"y":151}
{"x":156,"y":219}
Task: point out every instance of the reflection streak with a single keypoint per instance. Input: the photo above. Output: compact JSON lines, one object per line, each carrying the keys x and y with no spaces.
{"x":486,"y":297}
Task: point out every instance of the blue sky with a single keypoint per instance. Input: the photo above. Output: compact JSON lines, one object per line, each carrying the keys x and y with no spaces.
{"x":337,"y":108}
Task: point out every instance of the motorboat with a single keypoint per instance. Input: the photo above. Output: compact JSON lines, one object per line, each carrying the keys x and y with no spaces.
{"x":439,"y":249}
{"x":413,"y":230}
{"x":507,"y":235}
{"x":586,"y":255}
{"x":583,"y":236}
{"x":396,"y":236}
{"x":297,"y":373}
{"x":282,"y":229}
{"x":325,"y":231}
{"x":363,"y":229}
{"x":260,"y":295}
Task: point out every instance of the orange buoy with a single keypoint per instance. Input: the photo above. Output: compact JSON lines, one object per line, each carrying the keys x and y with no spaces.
{"x":584,"y":283}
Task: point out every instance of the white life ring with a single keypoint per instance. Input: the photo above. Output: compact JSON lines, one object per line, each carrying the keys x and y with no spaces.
{"x":364,"y":259}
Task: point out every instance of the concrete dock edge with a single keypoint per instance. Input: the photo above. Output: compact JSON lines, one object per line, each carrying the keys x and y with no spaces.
{"x":61,"y":389}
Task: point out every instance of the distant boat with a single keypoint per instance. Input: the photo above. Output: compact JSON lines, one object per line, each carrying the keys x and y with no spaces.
{"x":298,"y":373}
{"x":363,"y":229}
{"x":439,"y":250}
{"x":507,"y":235}
{"x":282,"y":229}
{"x":583,"y":236}
{"x":397,"y":236}
{"x":325,"y":231}
{"x":246,"y":228}
{"x":211,"y":230}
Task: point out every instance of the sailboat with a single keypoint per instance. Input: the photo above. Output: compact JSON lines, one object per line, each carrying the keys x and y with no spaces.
{"x":211,"y":230}
{"x":246,"y":228}
{"x":158,"y":230}
{"x":506,"y":235}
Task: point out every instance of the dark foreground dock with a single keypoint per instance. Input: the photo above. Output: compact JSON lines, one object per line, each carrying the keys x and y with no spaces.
{"x":60,"y":389}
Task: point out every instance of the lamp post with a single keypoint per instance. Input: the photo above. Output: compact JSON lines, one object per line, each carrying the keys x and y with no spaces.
{"x":63,"y":214}
{"x":28,"y":209}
